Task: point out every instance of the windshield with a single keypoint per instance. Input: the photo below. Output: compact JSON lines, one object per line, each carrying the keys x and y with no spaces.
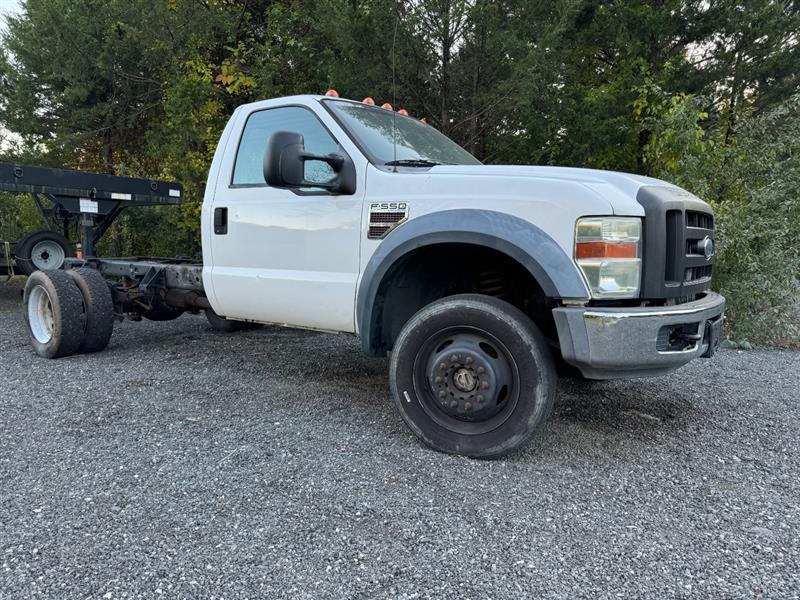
{"x":418,"y":144}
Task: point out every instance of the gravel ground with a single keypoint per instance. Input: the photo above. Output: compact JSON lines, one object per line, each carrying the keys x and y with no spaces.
{"x":185,"y":463}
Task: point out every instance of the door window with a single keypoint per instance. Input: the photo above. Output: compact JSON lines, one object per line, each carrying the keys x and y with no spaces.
{"x":249,"y":166}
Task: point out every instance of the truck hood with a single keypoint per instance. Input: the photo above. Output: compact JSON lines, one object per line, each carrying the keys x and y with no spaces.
{"x":618,"y":189}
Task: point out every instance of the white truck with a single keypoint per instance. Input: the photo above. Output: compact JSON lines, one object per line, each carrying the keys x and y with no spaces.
{"x":480,"y":282}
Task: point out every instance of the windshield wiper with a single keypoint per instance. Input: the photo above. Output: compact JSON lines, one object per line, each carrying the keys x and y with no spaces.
{"x":412,"y":162}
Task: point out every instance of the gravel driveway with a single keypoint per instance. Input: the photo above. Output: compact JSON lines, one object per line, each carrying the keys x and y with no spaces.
{"x":183,"y":463}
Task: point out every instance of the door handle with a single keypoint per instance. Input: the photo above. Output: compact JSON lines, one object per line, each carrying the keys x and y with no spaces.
{"x":221,"y":220}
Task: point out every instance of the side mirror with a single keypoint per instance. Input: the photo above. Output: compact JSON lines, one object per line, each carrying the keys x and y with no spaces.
{"x":285,"y":160}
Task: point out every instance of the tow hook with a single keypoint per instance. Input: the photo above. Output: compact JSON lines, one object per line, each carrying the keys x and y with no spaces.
{"x":689,"y":338}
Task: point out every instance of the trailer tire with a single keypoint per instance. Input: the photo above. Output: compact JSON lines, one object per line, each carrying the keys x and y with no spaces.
{"x":163,"y":312}
{"x":224,"y":325}
{"x":98,"y":306}
{"x":53,"y":314}
{"x":42,"y":250}
{"x":472,"y":375}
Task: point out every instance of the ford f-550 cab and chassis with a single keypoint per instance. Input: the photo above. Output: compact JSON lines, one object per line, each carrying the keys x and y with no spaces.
{"x":478,"y":281}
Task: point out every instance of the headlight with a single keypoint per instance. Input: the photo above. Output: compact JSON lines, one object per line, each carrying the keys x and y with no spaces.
{"x":608,"y":251}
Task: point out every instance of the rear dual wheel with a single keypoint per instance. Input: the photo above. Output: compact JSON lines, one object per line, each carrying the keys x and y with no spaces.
{"x":98,"y":308}
{"x":68,"y":312}
{"x":472,"y":375}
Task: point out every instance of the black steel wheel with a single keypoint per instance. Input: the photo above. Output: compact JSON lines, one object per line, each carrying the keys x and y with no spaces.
{"x":472,"y":375}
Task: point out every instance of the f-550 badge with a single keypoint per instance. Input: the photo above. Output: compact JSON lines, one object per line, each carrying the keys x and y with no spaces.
{"x":385,"y":216}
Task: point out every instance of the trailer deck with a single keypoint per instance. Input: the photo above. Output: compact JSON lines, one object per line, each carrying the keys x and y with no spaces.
{"x":88,"y":203}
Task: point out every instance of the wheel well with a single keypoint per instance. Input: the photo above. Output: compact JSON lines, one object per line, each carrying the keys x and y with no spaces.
{"x":436,"y":271}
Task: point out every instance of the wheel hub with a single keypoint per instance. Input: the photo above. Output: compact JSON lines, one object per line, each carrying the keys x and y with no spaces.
{"x":464,"y":380}
{"x":468,"y":377}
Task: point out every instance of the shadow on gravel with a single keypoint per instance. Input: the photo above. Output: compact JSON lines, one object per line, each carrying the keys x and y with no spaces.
{"x":636,"y":407}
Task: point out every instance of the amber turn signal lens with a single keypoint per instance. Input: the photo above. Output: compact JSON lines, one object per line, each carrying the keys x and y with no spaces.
{"x":606,"y":250}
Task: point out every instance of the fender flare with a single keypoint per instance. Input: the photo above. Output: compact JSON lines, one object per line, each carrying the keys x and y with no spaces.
{"x":519,"y":239}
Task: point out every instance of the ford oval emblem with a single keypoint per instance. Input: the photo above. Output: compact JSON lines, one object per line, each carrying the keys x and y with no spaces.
{"x":708,"y":247}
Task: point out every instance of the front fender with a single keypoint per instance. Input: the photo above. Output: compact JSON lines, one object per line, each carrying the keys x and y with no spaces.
{"x":521,"y":240}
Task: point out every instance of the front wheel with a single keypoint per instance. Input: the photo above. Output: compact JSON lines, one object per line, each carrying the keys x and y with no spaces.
{"x":472,"y":375}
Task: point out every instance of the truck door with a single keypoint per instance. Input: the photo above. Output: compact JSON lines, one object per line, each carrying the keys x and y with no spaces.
{"x":282,"y":256}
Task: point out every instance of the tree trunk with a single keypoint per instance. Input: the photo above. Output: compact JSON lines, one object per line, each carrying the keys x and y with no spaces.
{"x":476,"y":84}
{"x":446,"y":49}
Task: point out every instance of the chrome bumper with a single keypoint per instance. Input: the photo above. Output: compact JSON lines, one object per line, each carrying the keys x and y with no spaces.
{"x":610,"y":343}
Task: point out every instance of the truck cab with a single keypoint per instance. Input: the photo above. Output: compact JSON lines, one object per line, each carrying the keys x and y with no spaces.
{"x":591,"y":256}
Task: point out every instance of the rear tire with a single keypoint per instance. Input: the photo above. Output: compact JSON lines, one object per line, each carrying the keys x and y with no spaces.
{"x":224,"y":325}
{"x":472,"y":375}
{"x":53,"y":314}
{"x":98,"y":306}
{"x":42,"y":250}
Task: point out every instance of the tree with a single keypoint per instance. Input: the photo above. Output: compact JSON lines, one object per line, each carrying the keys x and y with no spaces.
{"x":80,"y":79}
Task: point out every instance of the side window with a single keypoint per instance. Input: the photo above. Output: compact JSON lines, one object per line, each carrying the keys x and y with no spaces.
{"x":249,"y":170}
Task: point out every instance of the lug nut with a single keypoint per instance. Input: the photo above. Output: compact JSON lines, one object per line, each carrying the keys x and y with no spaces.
{"x":453,"y":403}
{"x":437,"y":379}
{"x":468,"y":406}
{"x":469,"y":360}
{"x":442,"y":394}
{"x":442,"y":366}
{"x":454,"y":358}
{"x":484,"y":385}
{"x":481,"y":370}
{"x":480,"y":398}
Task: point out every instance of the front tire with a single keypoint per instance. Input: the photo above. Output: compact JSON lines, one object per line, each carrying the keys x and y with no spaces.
{"x":472,"y":375}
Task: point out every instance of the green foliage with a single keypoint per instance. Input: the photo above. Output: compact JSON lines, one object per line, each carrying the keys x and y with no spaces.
{"x":18,"y":216}
{"x":752,"y":186}
{"x":759,"y":266}
{"x":688,"y":90}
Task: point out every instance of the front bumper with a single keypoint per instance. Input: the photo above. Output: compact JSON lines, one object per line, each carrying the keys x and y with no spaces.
{"x":611,"y":343}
